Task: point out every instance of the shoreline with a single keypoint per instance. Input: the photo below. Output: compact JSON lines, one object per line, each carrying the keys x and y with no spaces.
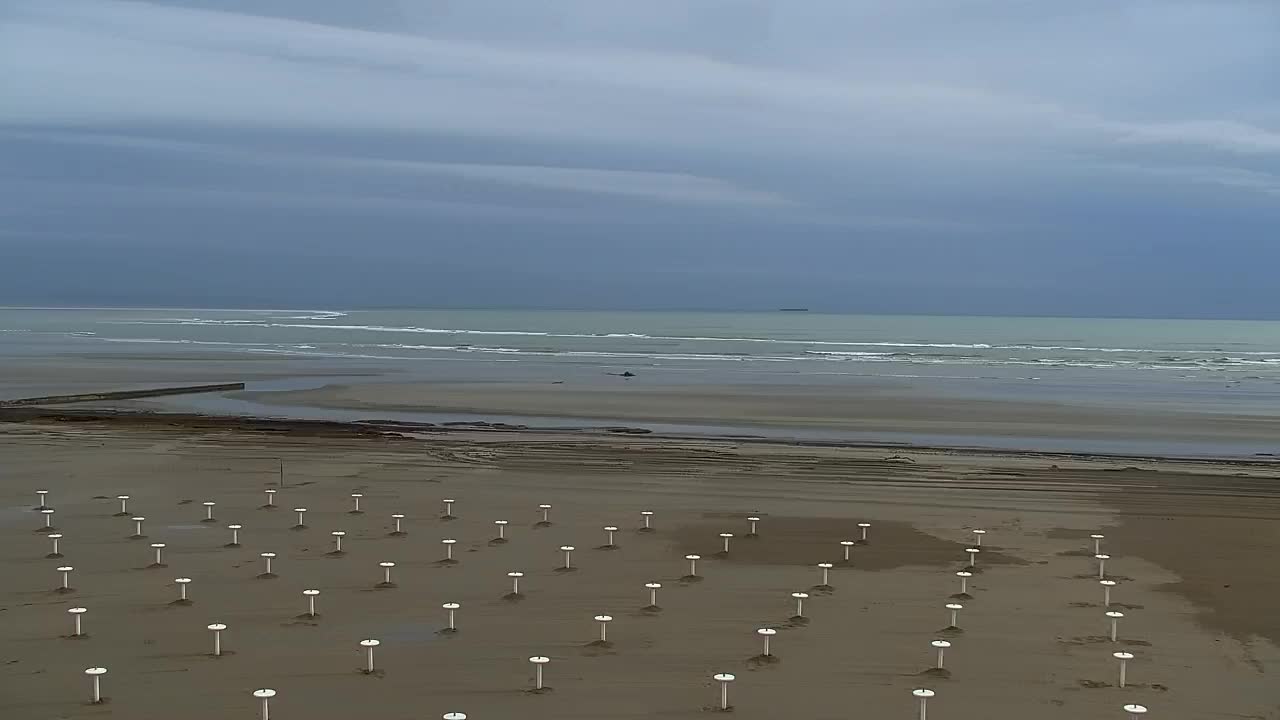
{"x":396,"y":429}
{"x":1064,"y":416}
{"x":866,"y":414}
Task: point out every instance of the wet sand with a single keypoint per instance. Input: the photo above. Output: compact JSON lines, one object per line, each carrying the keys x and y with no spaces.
{"x":1191,"y":542}
{"x":872,"y":410}
{"x":880,"y":410}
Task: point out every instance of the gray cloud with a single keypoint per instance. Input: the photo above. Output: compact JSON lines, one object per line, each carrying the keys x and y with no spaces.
{"x":834,"y":128}
{"x":172,"y":64}
{"x":671,"y":187}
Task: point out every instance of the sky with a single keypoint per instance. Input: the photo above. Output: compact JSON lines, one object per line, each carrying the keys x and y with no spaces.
{"x":1096,"y":157}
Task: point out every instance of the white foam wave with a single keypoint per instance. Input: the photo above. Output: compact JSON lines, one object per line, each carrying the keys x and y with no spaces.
{"x":355,"y":356}
{"x":1221,"y":364}
{"x":165,"y":341}
{"x":585,"y":353}
{"x":184,"y":341}
{"x":684,"y":338}
{"x":312,"y":315}
{"x":847,"y":353}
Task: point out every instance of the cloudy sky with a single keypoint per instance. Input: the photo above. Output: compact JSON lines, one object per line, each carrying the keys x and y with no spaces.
{"x":1094,"y":157}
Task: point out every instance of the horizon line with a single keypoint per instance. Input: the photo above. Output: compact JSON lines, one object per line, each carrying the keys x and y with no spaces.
{"x":788,"y":311}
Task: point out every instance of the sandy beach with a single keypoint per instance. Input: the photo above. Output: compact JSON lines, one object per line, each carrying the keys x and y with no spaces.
{"x":1190,"y":544}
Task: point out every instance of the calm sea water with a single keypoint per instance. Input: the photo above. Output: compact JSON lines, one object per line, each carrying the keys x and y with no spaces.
{"x":1209,"y":364}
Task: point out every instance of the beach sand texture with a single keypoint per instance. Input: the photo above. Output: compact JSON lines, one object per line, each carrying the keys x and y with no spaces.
{"x":1192,"y":546}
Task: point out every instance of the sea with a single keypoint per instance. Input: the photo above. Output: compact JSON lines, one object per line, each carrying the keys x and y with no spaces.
{"x":1225,"y":366}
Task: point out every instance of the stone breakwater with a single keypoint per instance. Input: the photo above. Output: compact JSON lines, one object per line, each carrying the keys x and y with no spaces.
{"x":121,"y":395}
